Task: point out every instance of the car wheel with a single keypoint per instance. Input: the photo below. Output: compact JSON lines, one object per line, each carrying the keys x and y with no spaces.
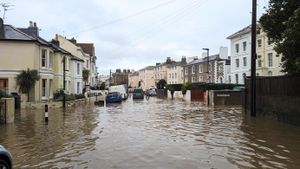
{"x":4,"y":165}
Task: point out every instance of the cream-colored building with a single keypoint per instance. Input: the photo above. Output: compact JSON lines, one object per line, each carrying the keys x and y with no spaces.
{"x":161,"y":70}
{"x":268,"y":61}
{"x":22,"y":49}
{"x":146,"y":77}
{"x":133,"y":79}
{"x":175,"y":71}
{"x":84,"y":51}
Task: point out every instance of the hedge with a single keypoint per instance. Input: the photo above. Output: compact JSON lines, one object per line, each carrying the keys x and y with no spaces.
{"x":200,"y":86}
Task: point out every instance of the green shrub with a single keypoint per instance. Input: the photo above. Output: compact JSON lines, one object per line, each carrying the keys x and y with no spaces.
{"x":4,"y":94}
{"x":79,"y":96}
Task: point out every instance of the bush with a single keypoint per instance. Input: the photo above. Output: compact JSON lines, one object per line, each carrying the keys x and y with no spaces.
{"x":199,"y":86}
{"x":58,"y":96}
{"x":4,"y":94}
{"x":79,"y":96}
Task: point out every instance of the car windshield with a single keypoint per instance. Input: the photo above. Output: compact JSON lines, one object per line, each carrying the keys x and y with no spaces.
{"x":138,"y":91}
{"x":113,"y":94}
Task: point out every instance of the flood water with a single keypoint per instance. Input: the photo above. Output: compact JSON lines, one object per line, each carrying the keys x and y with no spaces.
{"x":154,"y":134}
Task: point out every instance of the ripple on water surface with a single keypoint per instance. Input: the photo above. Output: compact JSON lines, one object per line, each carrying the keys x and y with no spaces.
{"x":150,"y":134}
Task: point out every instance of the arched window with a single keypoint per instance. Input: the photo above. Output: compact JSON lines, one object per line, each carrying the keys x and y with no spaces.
{"x":270,"y":73}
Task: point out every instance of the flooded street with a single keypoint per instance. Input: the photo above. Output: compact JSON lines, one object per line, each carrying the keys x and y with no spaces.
{"x":154,"y":134}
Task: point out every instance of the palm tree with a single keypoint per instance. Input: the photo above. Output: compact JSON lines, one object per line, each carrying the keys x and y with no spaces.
{"x":85,"y":77}
{"x":26,"y":81}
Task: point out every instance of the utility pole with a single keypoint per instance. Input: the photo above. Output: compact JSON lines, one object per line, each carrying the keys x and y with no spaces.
{"x":207,"y":50}
{"x":253,"y":59}
{"x":64,"y":82}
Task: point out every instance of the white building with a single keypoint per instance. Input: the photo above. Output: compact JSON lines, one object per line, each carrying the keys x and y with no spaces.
{"x":240,"y":43}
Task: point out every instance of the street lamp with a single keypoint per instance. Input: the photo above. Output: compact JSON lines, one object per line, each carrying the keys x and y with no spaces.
{"x":207,"y":50}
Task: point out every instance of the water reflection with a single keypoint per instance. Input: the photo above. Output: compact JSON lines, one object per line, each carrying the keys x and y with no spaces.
{"x":151,"y":134}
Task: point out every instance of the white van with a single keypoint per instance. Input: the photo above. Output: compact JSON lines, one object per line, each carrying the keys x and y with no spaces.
{"x":121,"y":89}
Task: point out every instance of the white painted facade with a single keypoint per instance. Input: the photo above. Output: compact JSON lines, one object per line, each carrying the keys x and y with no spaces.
{"x":76,"y":74}
{"x":240,"y":66}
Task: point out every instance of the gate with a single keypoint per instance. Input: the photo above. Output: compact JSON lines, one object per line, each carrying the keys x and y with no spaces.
{"x":2,"y":112}
{"x":197,"y":95}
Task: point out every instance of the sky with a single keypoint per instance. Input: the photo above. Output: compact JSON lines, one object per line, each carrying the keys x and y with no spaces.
{"x":133,"y":34}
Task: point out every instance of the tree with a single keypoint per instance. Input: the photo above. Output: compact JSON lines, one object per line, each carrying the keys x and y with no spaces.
{"x":85,"y":77}
{"x":102,"y":86}
{"x":161,"y":84}
{"x":26,"y":81}
{"x":282,"y":25}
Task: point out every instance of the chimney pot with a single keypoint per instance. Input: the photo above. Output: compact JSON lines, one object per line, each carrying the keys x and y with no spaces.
{"x":30,"y":24}
{"x":34,"y":24}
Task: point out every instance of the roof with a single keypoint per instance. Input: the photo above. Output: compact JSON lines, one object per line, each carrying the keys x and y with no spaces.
{"x":87,"y":48}
{"x":12,"y":33}
{"x":240,"y":32}
{"x":202,"y":60}
{"x":148,"y":68}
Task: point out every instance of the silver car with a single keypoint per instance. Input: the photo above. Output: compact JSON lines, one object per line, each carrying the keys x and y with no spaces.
{"x":5,"y":159}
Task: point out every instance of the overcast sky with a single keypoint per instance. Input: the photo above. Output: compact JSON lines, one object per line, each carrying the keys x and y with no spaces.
{"x":133,"y":34}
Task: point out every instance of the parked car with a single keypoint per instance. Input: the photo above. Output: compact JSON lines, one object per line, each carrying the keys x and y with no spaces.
{"x":122,"y":89}
{"x":5,"y":159}
{"x":113,"y":97}
{"x":138,"y":94}
{"x":151,"y":92}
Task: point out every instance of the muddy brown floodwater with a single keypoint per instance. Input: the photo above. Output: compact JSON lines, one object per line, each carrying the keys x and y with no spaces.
{"x":154,"y":134}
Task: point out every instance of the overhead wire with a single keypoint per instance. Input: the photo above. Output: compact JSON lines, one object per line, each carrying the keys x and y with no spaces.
{"x":124,"y":18}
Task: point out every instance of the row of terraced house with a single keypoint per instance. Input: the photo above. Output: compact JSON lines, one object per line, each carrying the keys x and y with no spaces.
{"x":23,"y":48}
{"x":216,"y":68}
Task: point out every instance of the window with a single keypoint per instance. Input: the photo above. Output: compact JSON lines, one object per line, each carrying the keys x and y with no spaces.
{"x":201,"y":79}
{"x":237,"y":48}
{"x":210,"y":67}
{"x":258,"y":31}
{"x":170,"y":75}
{"x":221,"y":68}
{"x":221,"y":80}
{"x":186,"y":71}
{"x":51,"y":59}
{"x":259,"y":63}
{"x":193,"y":79}
{"x":78,"y":87}
{"x":259,"y":43}
{"x":43,"y":87}
{"x":87,"y":63}
{"x":244,"y":46}
{"x":78,"y":68}
{"x":229,"y":79}
{"x":244,"y":77}
{"x":245,"y":61}
{"x":237,"y":78}
{"x":209,"y":79}
{"x":237,"y":63}
{"x":50,"y":87}
{"x":193,"y":69}
{"x":270,"y":59}
{"x":44,"y":57}
{"x":200,"y":68}
{"x":176,"y":75}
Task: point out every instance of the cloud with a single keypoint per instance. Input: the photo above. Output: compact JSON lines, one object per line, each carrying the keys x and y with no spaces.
{"x":176,"y":28}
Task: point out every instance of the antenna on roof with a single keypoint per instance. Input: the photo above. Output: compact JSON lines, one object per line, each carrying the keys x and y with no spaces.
{"x":6,"y":7}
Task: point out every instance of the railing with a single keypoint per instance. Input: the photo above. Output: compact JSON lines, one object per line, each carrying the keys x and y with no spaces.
{"x":2,"y":112}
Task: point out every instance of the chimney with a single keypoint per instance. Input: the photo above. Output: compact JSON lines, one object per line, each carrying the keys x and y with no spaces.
{"x":2,"y":33}
{"x":204,"y":54}
{"x":73,"y":40}
{"x":32,"y":30}
{"x":157,"y":64}
{"x":124,"y":70}
{"x":169,"y":61}
{"x":30,"y":24}
{"x":183,"y":60}
{"x":223,"y":52}
{"x":55,"y":42}
{"x":195,"y":57}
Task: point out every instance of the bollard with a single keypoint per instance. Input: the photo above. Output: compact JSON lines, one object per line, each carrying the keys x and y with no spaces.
{"x":46,"y":113}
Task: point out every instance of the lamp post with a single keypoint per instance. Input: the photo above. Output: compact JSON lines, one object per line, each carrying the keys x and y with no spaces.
{"x":253,"y":59}
{"x":207,"y":50}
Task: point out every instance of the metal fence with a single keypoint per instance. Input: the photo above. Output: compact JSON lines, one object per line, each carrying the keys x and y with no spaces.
{"x":2,"y":112}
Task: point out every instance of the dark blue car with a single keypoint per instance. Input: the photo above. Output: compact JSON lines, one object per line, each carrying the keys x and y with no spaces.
{"x":113,"y":97}
{"x":5,"y":159}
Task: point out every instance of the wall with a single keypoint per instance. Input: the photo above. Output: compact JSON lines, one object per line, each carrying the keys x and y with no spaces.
{"x":277,"y":97}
